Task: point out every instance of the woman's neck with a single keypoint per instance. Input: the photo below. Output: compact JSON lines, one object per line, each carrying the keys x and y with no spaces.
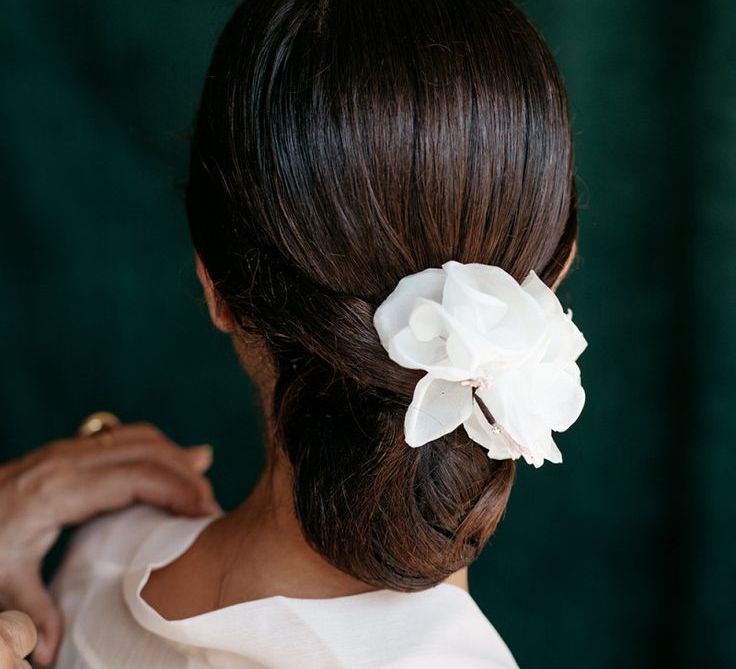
{"x":256,"y":551}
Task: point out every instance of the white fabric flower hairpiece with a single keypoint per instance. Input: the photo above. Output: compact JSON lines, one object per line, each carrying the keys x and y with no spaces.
{"x":500,"y":358}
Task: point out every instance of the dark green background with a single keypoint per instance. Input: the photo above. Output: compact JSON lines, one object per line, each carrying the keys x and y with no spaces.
{"x":622,"y":557}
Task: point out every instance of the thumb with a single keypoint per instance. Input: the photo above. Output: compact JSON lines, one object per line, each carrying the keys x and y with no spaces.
{"x":33,"y":598}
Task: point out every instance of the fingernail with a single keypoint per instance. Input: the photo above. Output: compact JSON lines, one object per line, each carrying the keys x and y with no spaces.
{"x":200,"y":457}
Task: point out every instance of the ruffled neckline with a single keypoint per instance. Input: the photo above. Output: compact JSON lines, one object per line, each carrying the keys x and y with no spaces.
{"x":241,"y":627}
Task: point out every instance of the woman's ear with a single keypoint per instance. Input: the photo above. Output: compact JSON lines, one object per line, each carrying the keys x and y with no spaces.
{"x":220,"y":313}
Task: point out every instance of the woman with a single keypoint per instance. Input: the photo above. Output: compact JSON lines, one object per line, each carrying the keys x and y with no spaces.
{"x":374,"y":189}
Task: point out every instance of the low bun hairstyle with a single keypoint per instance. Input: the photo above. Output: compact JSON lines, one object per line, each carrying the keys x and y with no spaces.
{"x":339,"y":146}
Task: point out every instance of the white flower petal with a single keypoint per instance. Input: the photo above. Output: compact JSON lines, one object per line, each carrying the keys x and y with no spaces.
{"x":406,"y":350}
{"x":464,"y":296}
{"x":565,"y":342}
{"x":429,"y":320}
{"x":437,"y":408}
{"x":499,"y":446}
{"x":508,"y":399}
{"x":552,"y":454}
{"x":522,"y":322}
{"x":463,"y":354}
{"x":464,"y":347}
{"x":557,"y":396}
{"x":471,"y":321}
{"x":577,"y":342}
{"x":542,"y":294}
{"x":547,"y":451}
{"x":393,"y":313}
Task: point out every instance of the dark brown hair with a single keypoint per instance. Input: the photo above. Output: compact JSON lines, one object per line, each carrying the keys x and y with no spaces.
{"x":341,"y":145}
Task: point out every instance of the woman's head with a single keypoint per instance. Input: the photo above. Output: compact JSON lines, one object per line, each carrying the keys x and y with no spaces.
{"x":340,"y":146}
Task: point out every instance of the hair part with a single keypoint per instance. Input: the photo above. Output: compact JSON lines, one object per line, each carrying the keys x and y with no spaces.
{"x":340,"y":146}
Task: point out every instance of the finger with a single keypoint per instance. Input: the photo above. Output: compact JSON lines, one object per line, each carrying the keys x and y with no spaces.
{"x":8,"y":659}
{"x":142,"y":432}
{"x":178,"y":460}
{"x":142,"y":429}
{"x":17,"y":632}
{"x":200,"y":457}
{"x":117,"y":486}
{"x":32,"y":598}
{"x":190,"y":461}
{"x":161,"y":455}
{"x":139,"y":431}
{"x":141,"y":441}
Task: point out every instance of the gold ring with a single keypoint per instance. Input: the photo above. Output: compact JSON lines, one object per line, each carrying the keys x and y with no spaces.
{"x":98,"y":422}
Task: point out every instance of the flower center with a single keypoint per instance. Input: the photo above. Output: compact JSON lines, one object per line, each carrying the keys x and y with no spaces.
{"x":480,"y":382}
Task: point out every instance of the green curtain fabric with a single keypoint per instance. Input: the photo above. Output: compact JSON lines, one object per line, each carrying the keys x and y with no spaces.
{"x":625,"y":555}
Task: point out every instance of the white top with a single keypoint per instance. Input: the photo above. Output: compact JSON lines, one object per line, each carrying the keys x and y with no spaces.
{"x":109,"y":625}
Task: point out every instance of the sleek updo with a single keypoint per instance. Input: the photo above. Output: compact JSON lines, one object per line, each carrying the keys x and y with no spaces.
{"x":341,"y":145}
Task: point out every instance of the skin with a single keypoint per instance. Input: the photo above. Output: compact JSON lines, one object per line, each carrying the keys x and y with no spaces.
{"x":68,"y":482}
{"x":258,"y":550}
{"x":17,"y":639}
{"x":254,"y":552}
